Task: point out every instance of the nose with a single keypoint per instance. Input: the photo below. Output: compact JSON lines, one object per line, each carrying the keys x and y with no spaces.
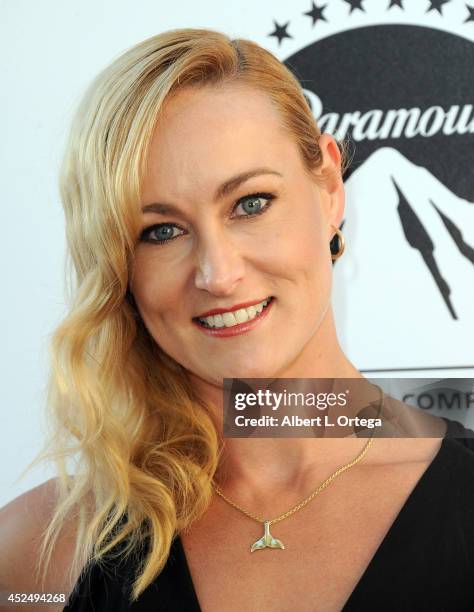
{"x":220,"y":266}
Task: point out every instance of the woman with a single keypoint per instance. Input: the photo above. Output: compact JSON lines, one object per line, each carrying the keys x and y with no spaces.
{"x":195,"y":179}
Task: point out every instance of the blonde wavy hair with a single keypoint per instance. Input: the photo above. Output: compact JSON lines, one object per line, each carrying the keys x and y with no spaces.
{"x":142,"y":445}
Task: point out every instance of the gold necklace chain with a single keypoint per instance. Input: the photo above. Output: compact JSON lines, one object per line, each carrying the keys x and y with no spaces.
{"x":267,"y":540}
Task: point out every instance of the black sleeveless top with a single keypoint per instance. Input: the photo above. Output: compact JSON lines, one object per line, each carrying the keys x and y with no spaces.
{"x":424,"y":563}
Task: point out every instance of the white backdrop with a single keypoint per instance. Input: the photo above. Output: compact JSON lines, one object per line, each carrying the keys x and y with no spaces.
{"x":50,"y":51}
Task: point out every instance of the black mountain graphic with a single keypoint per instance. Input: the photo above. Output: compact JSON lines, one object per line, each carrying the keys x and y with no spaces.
{"x":420,"y":196}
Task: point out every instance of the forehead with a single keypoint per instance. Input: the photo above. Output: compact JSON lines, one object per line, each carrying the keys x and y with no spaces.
{"x":205,"y":134}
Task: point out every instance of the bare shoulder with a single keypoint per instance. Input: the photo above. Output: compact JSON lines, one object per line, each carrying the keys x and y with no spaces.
{"x":22,"y":523}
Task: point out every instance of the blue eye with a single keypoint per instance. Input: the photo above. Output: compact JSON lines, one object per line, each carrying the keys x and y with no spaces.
{"x":163,"y":232}
{"x":251,"y":205}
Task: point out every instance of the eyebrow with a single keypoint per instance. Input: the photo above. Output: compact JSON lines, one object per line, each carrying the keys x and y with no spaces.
{"x":222,"y":191}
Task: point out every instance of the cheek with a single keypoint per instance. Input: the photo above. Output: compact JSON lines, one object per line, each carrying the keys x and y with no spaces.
{"x":305,"y":262}
{"x":302,"y":249}
{"x":155,"y":291}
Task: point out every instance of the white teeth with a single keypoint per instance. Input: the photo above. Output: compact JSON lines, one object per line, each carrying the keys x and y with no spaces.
{"x":252,"y":311}
{"x":241,"y":315}
{"x":218,"y":320}
{"x":229,"y":319}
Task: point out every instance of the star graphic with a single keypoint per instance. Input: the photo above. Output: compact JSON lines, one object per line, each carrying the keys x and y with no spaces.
{"x":470,"y":17}
{"x":280,"y":31}
{"x":355,"y":4}
{"x":316,"y":13}
{"x":436,"y":5}
{"x":395,"y":3}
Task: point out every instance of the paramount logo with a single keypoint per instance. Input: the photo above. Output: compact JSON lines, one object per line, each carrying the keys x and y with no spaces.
{"x":377,"y":124}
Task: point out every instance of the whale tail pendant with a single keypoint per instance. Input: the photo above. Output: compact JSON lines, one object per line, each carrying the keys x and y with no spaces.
{"x":267,"y":541}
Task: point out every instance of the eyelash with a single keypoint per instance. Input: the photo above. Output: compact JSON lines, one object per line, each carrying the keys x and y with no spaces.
{"x":264,"y":196}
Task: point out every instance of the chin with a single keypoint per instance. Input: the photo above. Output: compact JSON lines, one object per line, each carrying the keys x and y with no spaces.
{"x":256,"y":371}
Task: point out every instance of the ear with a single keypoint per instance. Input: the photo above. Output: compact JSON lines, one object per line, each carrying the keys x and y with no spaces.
{"x":330,"y":178}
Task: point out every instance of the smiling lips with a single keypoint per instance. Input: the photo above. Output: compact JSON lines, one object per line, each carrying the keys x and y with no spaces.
{"x":230,"y":318}
{"x":215,"y":311}
{"x":232,"y":322}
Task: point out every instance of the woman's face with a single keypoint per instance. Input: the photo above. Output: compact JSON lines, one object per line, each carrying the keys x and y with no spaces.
{"x":231,"y":218}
